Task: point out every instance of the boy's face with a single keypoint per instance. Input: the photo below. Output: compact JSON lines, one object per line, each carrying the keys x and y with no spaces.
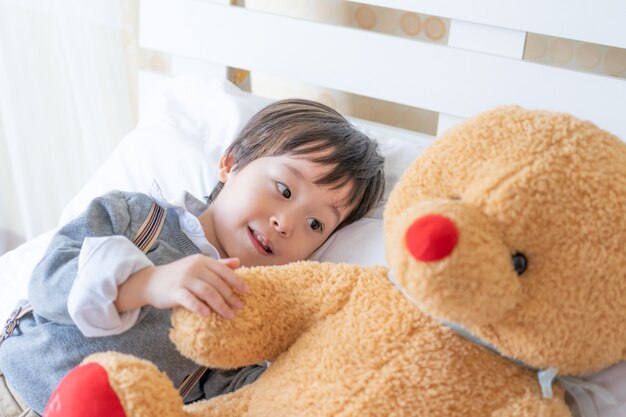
{"x":271,"y":212}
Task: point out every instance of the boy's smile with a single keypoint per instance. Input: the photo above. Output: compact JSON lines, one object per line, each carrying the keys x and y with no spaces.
{"x":271,"y":211}
{"x":263,"y":245}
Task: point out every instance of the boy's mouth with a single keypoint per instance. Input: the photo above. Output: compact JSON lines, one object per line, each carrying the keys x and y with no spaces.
{"x":259,"y":241}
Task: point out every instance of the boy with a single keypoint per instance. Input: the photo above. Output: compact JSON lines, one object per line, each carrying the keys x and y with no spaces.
{"x":296,"y":173}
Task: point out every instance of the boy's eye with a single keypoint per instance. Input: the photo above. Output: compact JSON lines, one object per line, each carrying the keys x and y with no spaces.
{"x":283,"y":189}
{"x":314,"y":224}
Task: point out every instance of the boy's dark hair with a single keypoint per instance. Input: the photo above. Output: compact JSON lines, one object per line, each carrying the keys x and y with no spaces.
{"x":304,"y":127}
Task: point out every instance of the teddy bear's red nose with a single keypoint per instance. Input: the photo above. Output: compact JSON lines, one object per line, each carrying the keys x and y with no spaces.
{"x":431,"y":237}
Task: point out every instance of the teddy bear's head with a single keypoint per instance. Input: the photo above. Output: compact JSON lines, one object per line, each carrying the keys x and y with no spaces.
{"x":513,"y":226}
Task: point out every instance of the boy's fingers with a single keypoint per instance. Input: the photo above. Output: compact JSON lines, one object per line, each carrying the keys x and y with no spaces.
{"x":186,"y":299}
{"x":214,"y":284}
{"x":228,"y":275}
{"x":212,"y":297}
{"x":230,"y":262}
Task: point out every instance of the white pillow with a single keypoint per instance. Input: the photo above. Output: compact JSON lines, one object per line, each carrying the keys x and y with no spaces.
{"x":177,"y":142}
{"x":358,"y":243}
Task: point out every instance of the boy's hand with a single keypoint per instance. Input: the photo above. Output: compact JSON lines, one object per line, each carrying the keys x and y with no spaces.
{"x":198,"y":283}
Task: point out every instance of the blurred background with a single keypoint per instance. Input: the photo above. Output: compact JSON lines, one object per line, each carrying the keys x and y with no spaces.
{"x":69,"y":89}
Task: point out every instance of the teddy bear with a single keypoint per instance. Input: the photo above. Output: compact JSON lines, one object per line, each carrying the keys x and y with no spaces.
{"x":506,"y":279}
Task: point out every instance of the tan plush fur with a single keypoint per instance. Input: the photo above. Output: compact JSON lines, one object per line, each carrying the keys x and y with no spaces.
{"x":345,"y":341}
{"x":549,"y":186}
{"x":140,"y":385}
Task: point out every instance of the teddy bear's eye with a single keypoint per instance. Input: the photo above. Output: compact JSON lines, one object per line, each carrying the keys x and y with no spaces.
{"x":520,"y":263}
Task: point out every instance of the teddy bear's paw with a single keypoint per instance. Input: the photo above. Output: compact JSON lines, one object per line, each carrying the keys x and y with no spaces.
{"x":115,"y":385}
{"x":84,"y":387}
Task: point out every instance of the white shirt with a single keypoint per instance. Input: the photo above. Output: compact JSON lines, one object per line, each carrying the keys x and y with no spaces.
{"x":104,"y":263}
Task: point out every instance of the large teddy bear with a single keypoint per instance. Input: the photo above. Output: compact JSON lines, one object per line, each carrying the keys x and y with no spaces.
{"x":506,"y":239}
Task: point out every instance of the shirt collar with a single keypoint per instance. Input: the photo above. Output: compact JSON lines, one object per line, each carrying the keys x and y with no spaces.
{"x":188,"y":208}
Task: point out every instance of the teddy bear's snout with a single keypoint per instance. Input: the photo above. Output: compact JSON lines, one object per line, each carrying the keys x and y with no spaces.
{"x":452,"y":260}
{"x":431,"y":238}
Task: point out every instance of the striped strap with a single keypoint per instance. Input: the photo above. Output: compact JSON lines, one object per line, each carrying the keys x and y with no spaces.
{"x":144,"y":239}
{"x":150,"y":229}
{"x":190,"y":381}
{"x":14,"y":320}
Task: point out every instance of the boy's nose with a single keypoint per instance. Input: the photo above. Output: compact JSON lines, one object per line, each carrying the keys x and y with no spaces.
{"x":281,"y":224}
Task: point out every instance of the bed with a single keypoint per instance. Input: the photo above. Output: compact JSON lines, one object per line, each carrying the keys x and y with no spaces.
{"x":562,"y":56}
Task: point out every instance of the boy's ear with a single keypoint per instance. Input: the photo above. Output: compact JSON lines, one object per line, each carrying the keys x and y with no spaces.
{"x":225,"y":166}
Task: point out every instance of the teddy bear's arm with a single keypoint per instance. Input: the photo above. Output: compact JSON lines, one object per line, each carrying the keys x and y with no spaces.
{"x":283,"y":302}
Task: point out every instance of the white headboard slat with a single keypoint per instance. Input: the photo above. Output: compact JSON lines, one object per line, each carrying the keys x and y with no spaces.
{"x":598,"y":21}
{"x":454,"y":81}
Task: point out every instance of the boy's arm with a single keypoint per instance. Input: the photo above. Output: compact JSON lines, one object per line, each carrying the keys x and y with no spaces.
{"x":53,"y":277}
{"x":283,"y":302}
{"x":104,"y":264}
